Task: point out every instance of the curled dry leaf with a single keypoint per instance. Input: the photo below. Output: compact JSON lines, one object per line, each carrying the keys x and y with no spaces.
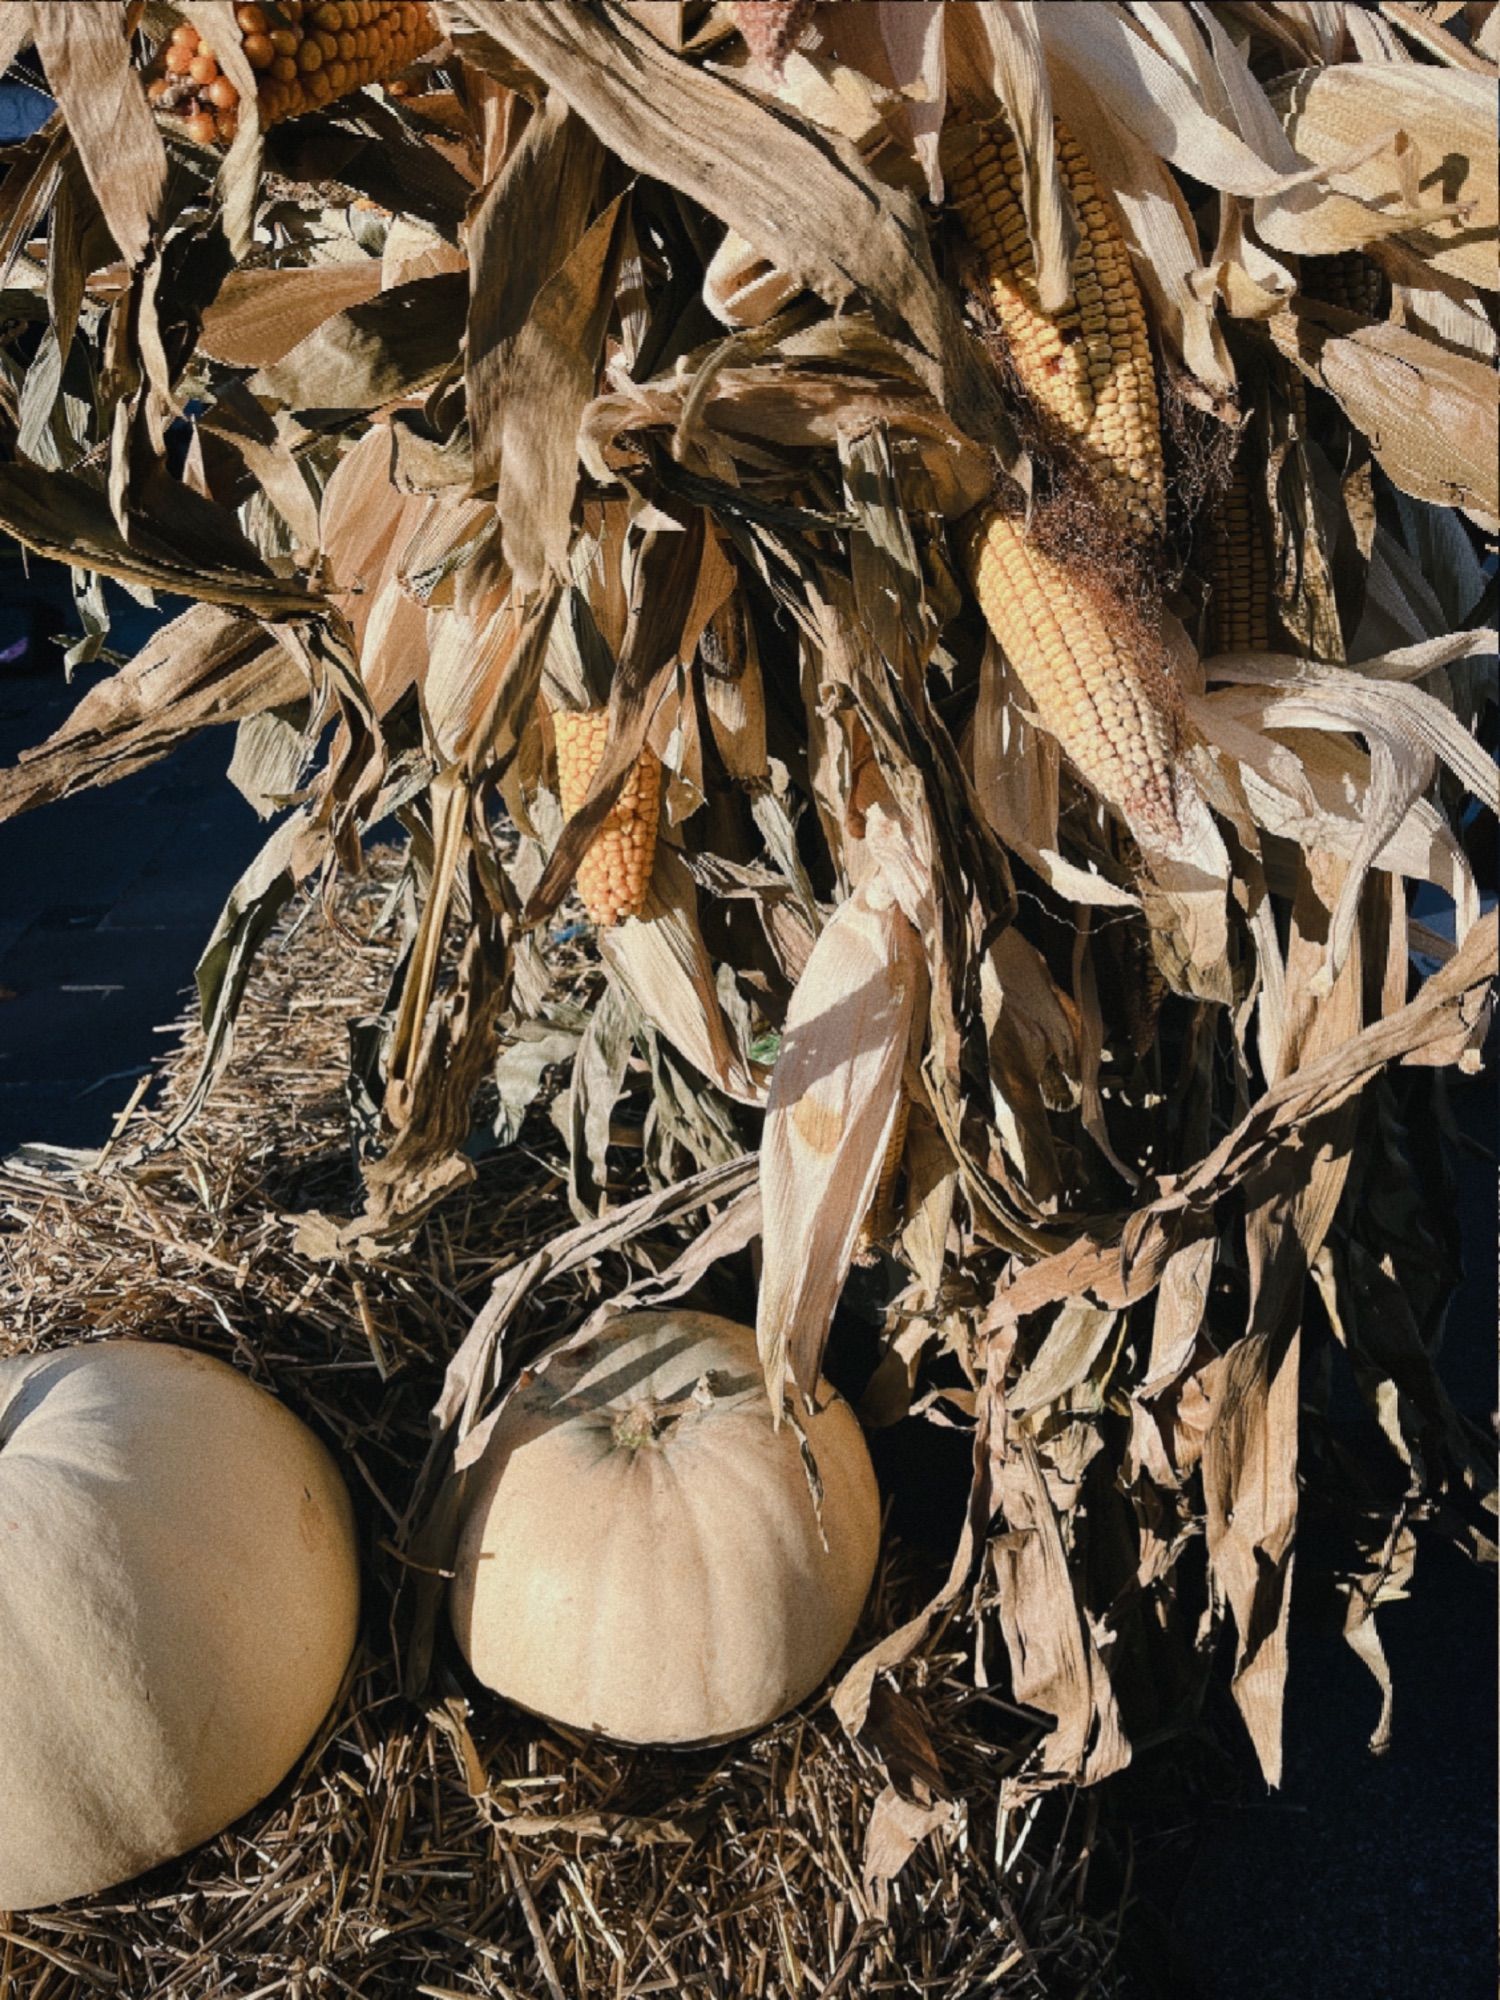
{"x":86,"y":56}
{"x":1448,"y":119}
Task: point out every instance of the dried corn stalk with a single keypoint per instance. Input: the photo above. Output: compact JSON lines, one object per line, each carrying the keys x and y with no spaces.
{"x":437,"y":497}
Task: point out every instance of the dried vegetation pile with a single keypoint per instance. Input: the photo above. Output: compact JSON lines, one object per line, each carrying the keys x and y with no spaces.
{"x":995,"y":508}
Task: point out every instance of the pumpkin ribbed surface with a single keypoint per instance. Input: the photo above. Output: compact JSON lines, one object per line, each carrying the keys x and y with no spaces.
{"x":178,"y":1599}
{"x":640,"y":1553}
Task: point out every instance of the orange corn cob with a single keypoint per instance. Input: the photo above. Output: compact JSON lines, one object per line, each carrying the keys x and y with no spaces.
{"x":615,"y":873}
{"x":305,"y":53}
{"x":1088,"y":367}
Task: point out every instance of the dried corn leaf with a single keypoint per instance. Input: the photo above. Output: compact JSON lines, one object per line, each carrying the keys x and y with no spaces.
{"x":1407,"y":730}
{"x":258,"y":317}
{"x":663,"y":964}
{"x":469,"y":656}
{"x":1250,"y":1450}
{"x":1449,"y":118}
{"x":1296,"y":207}
{"x":530,"y":221}
{"x":203,"y":668}
{"x":239,"y":172}
{"x":1068,"y":1351}
{"x":908,"y":56}
{"x":833,"y":1103}
{"x":546,"y":379}
{"x":371,"y":354}
{"x":197,"y":552}
{"x":87,"y":57}
{"x":812,"y":209}
{"x":1430,"y":414}
{"x":288,"y":857}
{"x":1055,"y":1661}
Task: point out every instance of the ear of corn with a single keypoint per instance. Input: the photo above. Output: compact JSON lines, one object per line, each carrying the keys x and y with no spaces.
{"x":1240,"y":607}
{"x":1088,"y":367}
{"x":1351,"y":281}
{"x":615,"y":873}
{"x":1116,"y":714}
{"x":881,"y":1217}
{"x":305,"y":53}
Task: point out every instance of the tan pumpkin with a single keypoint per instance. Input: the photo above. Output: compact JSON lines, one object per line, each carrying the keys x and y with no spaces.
{"x":178,"y":1597}
{"x":640,"y":1554}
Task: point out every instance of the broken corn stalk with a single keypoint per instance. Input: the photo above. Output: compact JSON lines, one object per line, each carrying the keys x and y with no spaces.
{"x":1088,"y":367}
{"x":1117,"y":714}
{"x":305,"y":53}
{"x":615,"y":873}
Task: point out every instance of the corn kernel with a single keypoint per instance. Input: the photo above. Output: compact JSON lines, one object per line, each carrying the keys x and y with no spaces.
{"x":1088,"y":368}
{"x":615,"y":872}
{"x":1116,"y":715}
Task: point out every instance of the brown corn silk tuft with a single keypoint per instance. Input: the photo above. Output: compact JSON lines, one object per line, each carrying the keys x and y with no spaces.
{"x":615,"y":873}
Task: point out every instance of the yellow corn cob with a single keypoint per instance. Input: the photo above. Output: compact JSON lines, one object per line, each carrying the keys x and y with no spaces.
{"x":305,"y":53}
{"x":1240,"y":608}
{"x":1115,"y":712}
{"x":1088,"y":368}
{"x":616,"y":871}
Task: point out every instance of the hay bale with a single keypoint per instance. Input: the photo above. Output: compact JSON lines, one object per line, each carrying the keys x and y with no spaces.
{"x":455,"y":1846}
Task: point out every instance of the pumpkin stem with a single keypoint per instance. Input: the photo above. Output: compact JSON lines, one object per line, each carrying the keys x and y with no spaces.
{"x":642,"y":1423}
{"x":645,"y":1420}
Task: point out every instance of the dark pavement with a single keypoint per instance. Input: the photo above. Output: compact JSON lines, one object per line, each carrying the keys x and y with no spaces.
{"x":1371,"y":1878}
{"x":106,"y":898}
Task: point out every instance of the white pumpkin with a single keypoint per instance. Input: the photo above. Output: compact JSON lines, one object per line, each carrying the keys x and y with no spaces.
{"x":179,"y":1590}
{"x":640,"y":1554}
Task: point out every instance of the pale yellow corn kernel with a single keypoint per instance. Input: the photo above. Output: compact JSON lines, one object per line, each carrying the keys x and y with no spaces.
{"x":615,"y":873}
{"x":1088,"y":367}
{"x":1116,"y":713}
